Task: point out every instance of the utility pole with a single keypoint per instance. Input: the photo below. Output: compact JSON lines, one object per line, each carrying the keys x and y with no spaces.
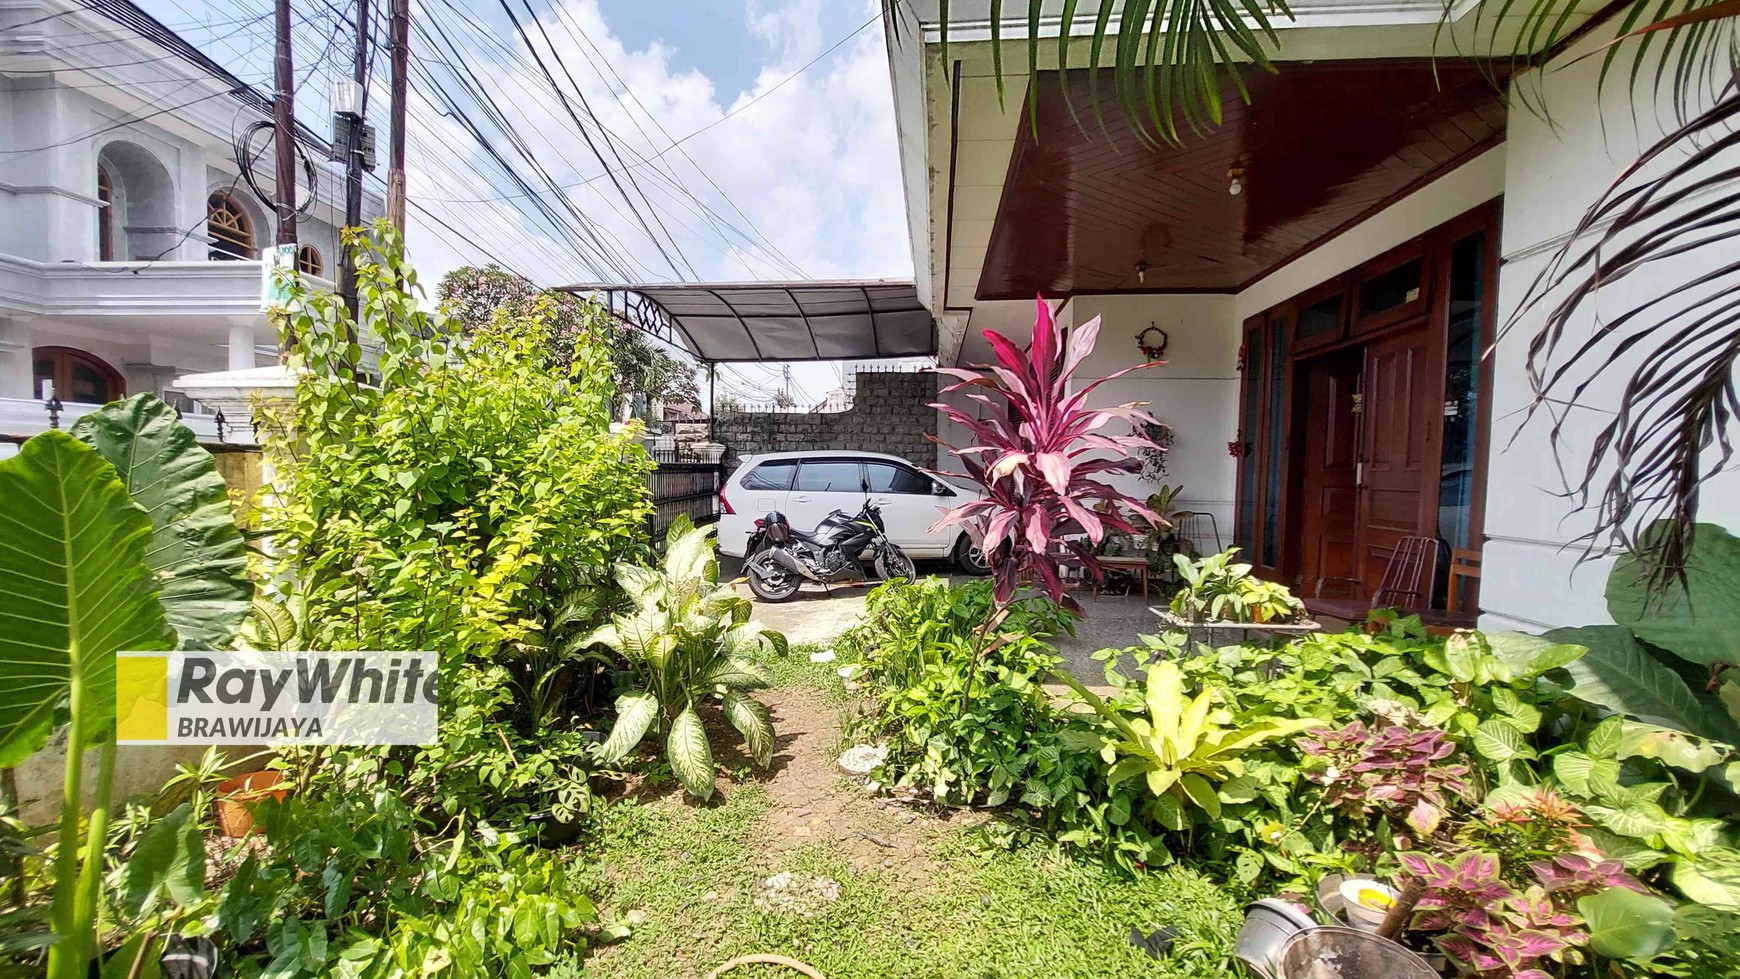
{"x":284,"y":124}
{"x":400,"y":28}
{"x":353,"y":161}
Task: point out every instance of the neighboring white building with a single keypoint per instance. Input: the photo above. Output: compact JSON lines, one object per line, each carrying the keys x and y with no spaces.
{"x":129,"y":245}
{"x":1327,"y":264}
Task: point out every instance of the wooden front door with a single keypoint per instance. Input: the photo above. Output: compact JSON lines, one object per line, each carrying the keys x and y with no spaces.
{"x":1329,"y":510}
{"x":1398,"y":446}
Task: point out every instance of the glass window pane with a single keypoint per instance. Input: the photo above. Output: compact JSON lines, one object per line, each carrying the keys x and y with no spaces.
{"x":770,"y":477}
{"x":886,"y":477}
{"x":1272,"y":448}
{"x":1244,"y":535}
{"x":1321,"y":317}
{"x":830,"y":476}
{"x":89,"y":386}
{"x":1387,"y":290}
{"x":1462,"y":388}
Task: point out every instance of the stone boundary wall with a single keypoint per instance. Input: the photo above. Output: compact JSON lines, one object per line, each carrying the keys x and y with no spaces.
{"x":892,"y":415}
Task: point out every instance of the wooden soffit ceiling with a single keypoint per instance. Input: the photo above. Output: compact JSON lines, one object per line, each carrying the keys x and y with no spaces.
{"x":1322,"y":145}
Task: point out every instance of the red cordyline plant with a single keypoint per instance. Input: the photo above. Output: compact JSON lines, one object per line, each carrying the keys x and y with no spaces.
{"x":1037,"y":452}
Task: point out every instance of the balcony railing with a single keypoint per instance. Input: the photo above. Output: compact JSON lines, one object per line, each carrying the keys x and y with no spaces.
{"x":132,"y":288}
{"x":21,"y":418}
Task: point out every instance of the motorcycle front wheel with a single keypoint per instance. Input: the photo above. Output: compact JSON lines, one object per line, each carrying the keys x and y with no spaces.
{"x":893,"y":563}
{"x":767,"y":579}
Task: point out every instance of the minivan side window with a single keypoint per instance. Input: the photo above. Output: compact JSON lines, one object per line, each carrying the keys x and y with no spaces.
{"x":830,"y":476}
{"x":770,"y":477}
{"x":886,"y":477}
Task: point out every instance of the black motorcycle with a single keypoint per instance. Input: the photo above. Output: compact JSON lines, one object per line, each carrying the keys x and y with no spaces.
{"x":781,"y":559}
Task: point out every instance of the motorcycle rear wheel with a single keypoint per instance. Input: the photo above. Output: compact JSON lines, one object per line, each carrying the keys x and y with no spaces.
{"x":778,"y":584}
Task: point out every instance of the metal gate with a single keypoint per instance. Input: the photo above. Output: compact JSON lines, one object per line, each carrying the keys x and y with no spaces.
{"x":683,"y":483}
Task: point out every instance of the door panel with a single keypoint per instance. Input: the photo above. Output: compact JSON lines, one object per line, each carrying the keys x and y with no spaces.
{"x":909,"y":506}
{"x":823,"y":486}
{"x":1331,"y":497}
{"x":1397,"y":447}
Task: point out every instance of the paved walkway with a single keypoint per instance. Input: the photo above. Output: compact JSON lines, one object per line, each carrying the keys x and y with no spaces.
{"x":817,"y":616}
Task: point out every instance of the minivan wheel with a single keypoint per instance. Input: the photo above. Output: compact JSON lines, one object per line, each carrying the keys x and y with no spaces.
{"x":969,"y":558}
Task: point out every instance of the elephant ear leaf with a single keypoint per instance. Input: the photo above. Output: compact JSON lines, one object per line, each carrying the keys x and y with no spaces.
{"x":1700,"y":622}
{"x":74,"y":589}
{"x":196,"y":549}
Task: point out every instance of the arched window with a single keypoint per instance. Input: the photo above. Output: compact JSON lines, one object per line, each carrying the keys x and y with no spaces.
{"x":77,"y":376}
{"x":105,"y":216}
{"x":232,"y":233}
{"x":309,"y":262}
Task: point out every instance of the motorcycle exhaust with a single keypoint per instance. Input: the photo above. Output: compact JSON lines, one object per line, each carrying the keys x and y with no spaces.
{"x":784,"y":559}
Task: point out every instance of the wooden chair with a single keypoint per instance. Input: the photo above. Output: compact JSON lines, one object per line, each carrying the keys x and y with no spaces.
{"x":1406,"y":584}
{"x":1464,"y":579}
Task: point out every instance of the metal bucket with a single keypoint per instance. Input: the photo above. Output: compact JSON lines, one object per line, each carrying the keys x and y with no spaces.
{"x":1344,"y":953}
{"x":1269,"y":925}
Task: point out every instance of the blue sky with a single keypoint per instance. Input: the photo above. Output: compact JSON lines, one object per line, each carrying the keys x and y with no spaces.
{"x":804,"y":171}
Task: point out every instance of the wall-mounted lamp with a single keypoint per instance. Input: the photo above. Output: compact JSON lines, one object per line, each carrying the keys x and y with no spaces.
{"x":1235,"y":181}
{"x":1142,"y":273}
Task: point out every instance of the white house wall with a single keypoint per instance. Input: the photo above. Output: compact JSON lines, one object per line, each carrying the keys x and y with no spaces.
{"x":1196,"y":391}
{"x":1554,"y":172}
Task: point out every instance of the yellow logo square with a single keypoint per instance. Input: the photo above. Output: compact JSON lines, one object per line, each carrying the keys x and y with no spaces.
{"x":142,"y":697}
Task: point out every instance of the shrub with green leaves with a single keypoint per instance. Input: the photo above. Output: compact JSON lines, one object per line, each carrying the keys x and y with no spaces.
{"x":447,"y":495}
{"x":688,"y":640}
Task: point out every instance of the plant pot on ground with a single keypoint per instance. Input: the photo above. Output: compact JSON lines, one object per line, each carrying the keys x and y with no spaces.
{"x":236,"y":798}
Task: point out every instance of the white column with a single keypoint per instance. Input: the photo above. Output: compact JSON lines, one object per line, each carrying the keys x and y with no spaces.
{"x":16,"y":370}
{"x":241,"y":345}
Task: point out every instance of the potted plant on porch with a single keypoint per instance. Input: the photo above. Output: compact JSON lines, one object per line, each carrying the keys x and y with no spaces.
{"x":1219,"y":597}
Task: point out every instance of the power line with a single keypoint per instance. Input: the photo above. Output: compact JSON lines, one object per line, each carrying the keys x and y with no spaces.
{"x":561,"y":14}
{"x":518,"y":70}
{"x":734,"y":112}
{"x":524,"y":38}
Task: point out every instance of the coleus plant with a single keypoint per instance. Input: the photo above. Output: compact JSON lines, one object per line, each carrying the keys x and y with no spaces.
{"x":1038,"y":451}
{"x":1491,"y":929}
{"x":1392,"y":769}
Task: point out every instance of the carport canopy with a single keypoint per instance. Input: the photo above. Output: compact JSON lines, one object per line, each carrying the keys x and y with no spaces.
{"x":739,"y":322}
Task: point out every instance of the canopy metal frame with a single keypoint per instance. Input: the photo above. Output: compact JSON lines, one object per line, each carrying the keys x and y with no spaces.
{"x":761,"y":322}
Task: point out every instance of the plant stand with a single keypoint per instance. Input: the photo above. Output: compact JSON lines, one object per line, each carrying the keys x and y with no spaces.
{"x":1218,"y":633}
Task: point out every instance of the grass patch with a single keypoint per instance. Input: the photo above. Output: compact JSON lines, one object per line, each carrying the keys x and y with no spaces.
{"x":796,"y":670}
{"x":696,"y":873}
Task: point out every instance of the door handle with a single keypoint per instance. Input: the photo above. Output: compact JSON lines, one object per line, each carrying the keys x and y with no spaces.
{"x":880,"y":501}
{"x":800,"y":499}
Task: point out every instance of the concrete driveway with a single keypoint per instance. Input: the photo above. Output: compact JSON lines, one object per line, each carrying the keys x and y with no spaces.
{"x":817,"y":615}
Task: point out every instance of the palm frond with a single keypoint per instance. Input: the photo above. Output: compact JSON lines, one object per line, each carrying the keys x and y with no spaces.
{"x":1171,"y":59}
{"x":1673,"y":219}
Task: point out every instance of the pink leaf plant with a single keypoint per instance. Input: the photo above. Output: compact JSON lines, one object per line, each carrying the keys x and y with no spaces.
{"x":1039,"y":452}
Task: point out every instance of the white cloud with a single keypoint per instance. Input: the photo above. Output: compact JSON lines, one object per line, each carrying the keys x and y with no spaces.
{"x":813,"y":164}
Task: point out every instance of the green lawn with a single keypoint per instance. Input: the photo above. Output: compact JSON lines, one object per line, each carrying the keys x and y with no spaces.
{"x":975,"y":911}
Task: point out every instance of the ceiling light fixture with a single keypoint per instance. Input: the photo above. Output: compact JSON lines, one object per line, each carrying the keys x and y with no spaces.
{"x":1236,"y":186}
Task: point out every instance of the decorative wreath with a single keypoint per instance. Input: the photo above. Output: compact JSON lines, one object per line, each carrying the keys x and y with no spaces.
{"x":1153,"y":351}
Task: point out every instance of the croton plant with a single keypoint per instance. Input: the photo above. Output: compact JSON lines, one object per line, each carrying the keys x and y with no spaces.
{"x":1040,"y":451}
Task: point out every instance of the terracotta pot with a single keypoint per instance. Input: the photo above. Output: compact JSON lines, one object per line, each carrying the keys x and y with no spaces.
{"x":235,"y":796}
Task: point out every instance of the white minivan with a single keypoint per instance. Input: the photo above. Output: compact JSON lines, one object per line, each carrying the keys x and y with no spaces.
{"x":807,"y":486}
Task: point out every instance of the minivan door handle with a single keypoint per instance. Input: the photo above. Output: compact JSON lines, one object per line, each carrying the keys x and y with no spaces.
{"x":800,"y":499}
